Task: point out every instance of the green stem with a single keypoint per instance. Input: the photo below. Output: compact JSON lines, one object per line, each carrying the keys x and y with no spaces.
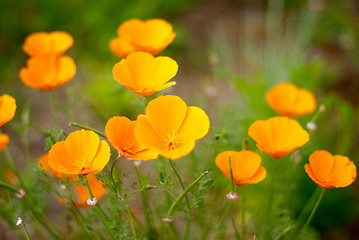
{"x":9,"y":187}
{"x":238,"y":237}
{"x":26,"y":232}
{"x":306,"y":208}
{"x":225,"y":214}
{"x":181,"y":182}
{"x":188,"y":223}
{"x":231,"y":172}
{"x":88,"y":128}
{"x":134,"y":232}
{"x":244,"y":229}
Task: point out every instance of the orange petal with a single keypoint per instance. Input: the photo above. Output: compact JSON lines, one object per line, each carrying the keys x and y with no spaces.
{"x":310,"y":173}
{"x":146,"y":135}
{"x":244,"y":165}
{"x":343,"y":172}
{"x":61,"y":161}
{"x":7,"y":108}
{"x":178,"y":152}
{"x":66,"y":70}
{"x":61,"y":41}
{"x":4,"y":141}
{"x":222,"y":162}
{"x":101,"y":159}
{"x":258,"y":176}
{"x":120,"y":47}
{"x":321,"y":163}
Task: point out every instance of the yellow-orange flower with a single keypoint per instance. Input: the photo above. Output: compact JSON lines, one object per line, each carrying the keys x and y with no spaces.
{"x":7,"y":108}
{"x":97,"y":190}
{"x":134,"y":35}
{"x":48,"y":73}
{"x":246,"y":167}
{"x":144,"y":74}
{"x":4,"y":141}
{"x":288,"y":100}
{"x":81,"y":153}
{"x":43,"y":162}
{"x":120,"y":131}
{"x":43,"y":43}
{"x":170,"y":127}
{"x":330,"y":171}
{"x":278,"y":136}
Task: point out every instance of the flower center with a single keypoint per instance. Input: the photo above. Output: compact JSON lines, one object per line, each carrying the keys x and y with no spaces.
{"x":172,"y":142}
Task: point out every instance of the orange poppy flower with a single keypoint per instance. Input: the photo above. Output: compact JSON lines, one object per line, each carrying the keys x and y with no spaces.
{"x":278,"y":136}
{"x":48,"y":73}
{"x":97,"y":190}
{"x":330,"y":171}
{"x":43,"y":43}
{"x":246,"y":167}
{"x":4,"y":141}
{"x":7,"y":108}
{"x":120,"y":131}
{"x":81,"y":153}
{"x":144,"y":74}
{"x":43,"y":162}
{"x":170,"y":127}
{"x":288,"y":100}
{"x":134,"y":35}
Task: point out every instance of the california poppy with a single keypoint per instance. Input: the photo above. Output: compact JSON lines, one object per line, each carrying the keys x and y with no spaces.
{"x":170,"y":127}
{"x":43,"y":43}
{"x":4,"y":141}
{"x":120,"y":131}
{"x":288,"y":100}
{"x":330,"y":171}
{"x":144,"y":74}
{"x":278,"y":136}
{"x":97,"y":190}
{"x":48,"y":73}
{"x":81,"y":153}
{"x":43,"y":162}
{"x":134,"y":35}
{"x":7,"y":108}
{"x":245,"y":166}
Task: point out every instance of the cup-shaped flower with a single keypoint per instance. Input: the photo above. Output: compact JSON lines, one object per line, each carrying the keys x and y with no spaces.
{"x":43,"y":43}
{"x":48,"y":73}
{"x":144,"y":74}
{"x":278,"y":136}
{"x":97,"y":190}
{"x":120,"y":131}
{"x":7,"y":108}
{"x":81,"y":153}
{"x":134,"y":35}
{"x":170,"y":127}
{"x":4,"y":141}
{"x":330,"y":171}
{"x":246,"y":167}
{"x":288,"y":100}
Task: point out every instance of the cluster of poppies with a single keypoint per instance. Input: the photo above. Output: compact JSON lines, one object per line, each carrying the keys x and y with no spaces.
{"x":7,"y":112}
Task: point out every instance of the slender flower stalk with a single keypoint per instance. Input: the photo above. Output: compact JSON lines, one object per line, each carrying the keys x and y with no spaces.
{"x":236,"y":233}
{"x":244,"y":229}
{"x":87,"y":128}
{"x":20,"y":221}
{"x":180,"y":180}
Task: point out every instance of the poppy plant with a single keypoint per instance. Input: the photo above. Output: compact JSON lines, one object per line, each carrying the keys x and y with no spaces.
{"x":144,"y":74}
{"x":7,"y":108}
{"x":246,"y":167}
{"x":4,"y":141}
{"x":170,"y":127}
{"x":120,"y":131}
{"x":97,"y":190}
{"x":81,"y":153}
{"x":330,"y":171}
{"x":288,"y":100}
{"x":134,"y":35}
{"x":278,"y":136}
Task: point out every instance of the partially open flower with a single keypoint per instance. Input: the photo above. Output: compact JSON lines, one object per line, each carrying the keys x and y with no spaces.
{"x":170,"y":127}
{"x":134,"y":35}
{"x":4,"y":141}
{"x":7,"y":108}
{"x":278,"y":136}
{"x":288,"y":100}
{"x":246,"y":167}
{"x":48,"y":73}
{"x":144,"y":74}
{"x":330,"y":171}
{"x":120,"y":131}
{"x":43,"y":43}
{"x":97,"y":190}
{"x":43,"y":162}
{"x":81,"y":153}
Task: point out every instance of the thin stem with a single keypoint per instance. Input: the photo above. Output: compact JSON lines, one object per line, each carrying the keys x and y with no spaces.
{"x":225,"y":213}
{"x":231,"y":172}
{"x":9,"y":187}
{"x":306,"y":208}
{"x":188,"y":224}
{"x":88,"y":128}
{"x":26,"y":232}
{"x":244,"y":229}
{"x":181,"y":182}
{"x":236,"y":233}
{"x":134,"y":232}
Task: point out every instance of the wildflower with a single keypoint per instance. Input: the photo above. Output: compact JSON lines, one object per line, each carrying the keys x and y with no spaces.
{"x":232,"y":196}
{"x":97,"y":190}
{"x":170,"y":127}
{"x":43,"y":44}
{"x":7,"y":108}
{"x":330,"y":171}
{"x":144,"y":74}
{"x":48,"y":73}
{"x":43,"y":162}
{"x":120,"y":131}
{"x":81,"y":153}
{"x":4,"y":141}
{"x":134,"y":35}
{"x":278,"y":136}
{"x":246,"y":167}
{"x":21,"y":194}
{"x":19,"y":221}
{"x":288,"y":100}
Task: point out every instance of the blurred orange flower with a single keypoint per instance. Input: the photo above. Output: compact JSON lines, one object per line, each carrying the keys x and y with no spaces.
{"x":144,"y":74}
{"x":278,"y":136}
{"x":97,"y":190}
{"x":288,"y":100}
{"x":81,"y":153}
{"x":7,"y":108}
{"x":48,"y":73}
{"x":330,"y":171}
{"x":134,"y":35}
{"x":4,"y":141}
{"x":43,"y":162}
{"x":120,"y":131}
{"x":245,"y":166}
{"x":170,"y":127}
{"x":43,"y":43}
